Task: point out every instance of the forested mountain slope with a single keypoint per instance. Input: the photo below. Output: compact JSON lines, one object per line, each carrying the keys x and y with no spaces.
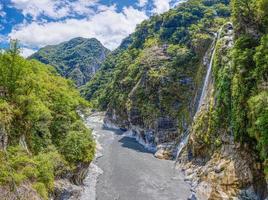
{"x":231,"y":130}
{"x":78,"y":59}
{"x":152,"y":86}
{"x":42,"y":137}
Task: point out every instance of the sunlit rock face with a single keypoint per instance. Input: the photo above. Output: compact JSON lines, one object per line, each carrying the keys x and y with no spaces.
{"x":216,"y":165}
{"x":231,"y":172}
{"x":161,"y":125}
{"x":24,"y":191}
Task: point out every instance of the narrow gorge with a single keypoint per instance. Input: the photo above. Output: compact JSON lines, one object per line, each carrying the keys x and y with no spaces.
{"x":187,"y":98}
{"x":178,"y":111}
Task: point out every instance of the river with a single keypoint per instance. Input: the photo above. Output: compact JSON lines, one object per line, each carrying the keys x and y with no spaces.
{"x":125,"y":170}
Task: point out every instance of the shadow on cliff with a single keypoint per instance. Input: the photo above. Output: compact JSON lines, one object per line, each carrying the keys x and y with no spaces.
{"x":114,"y":130}
{"x":131,"y":143}
{"x":128,"y":142}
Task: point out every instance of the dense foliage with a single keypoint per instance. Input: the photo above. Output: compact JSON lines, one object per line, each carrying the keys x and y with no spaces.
{"x":242,"y":86}
{"x":38,"y":124}
{"x":152,"y":70}
{"x":77,"y":59}
{"x":159,"y":67}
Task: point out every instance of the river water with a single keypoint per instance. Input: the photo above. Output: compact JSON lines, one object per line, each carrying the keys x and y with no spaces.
{"x":125,"y":170}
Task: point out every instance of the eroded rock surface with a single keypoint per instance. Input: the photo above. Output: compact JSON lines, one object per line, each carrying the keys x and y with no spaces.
{"x":23,"y":192}
{"x":231,"y":173}
{"x":65,"y":190}
{"x":216,"y":166}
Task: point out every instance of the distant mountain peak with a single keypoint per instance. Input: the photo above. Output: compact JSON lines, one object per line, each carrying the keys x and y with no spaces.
{"x":77,"y":59}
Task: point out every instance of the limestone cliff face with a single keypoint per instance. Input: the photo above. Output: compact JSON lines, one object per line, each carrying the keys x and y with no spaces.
{"x":151,"y":85}
{"x":159,"y":128}
{"x":24,"y":191}
{"x":218,"y":166}
{"x":231,"y":172}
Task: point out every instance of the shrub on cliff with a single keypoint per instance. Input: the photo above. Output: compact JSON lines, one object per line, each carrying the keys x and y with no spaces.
{"x":241,"y":77}
{"x":78,"y":147}
{"x":38,"y":110}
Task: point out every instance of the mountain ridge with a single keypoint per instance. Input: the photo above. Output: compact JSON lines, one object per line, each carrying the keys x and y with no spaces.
{"x":77,"y":59}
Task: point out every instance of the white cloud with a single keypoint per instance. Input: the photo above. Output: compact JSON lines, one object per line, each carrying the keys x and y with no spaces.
{"x":142,"y":3}
{"x":54,"y":9}
{"x":35,"y":8}
{"x":108,"y":26}
{"x":176,"y":3}
{"x":83,"y":7}
{"x":3,"y":38}
{"x":2,"y":12}
{"x":26,"y":52}
{"x":99,"y":21}
{"x":161,"y":6}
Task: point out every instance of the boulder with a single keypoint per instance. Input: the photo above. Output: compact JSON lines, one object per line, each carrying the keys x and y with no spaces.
{"x":64,"y":190}
{"x":165,"y":151}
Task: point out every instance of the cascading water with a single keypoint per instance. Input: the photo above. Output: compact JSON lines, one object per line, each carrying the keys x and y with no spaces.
{"x":205,"y":86}
{"x":185,"y":137}
{"x":183,"y":143}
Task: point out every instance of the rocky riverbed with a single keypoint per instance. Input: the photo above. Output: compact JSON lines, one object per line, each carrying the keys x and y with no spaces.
{"x":125,"y":170}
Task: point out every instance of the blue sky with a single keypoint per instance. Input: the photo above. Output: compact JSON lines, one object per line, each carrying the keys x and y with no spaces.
{"x":37,"y":23}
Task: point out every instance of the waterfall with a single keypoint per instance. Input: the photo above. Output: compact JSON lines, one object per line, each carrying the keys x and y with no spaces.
{"x":24,"y":144}
{"x":185,"y":137}
{"x":183,"y":143}
{"x":206,"y":82}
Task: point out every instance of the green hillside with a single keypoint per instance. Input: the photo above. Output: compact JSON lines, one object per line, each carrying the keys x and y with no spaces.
{"x":78,"y":59}
{"x":42,"y":136}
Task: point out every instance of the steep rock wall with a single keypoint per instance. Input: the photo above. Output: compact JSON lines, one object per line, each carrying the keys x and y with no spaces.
{"x":218,"y":166}
{"x":161,"y":128}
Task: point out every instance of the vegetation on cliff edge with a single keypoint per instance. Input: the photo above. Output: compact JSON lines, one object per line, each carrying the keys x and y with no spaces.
{"x":39,"y":124}
{"x":161,"y":70}
{"x":241,"y":81}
